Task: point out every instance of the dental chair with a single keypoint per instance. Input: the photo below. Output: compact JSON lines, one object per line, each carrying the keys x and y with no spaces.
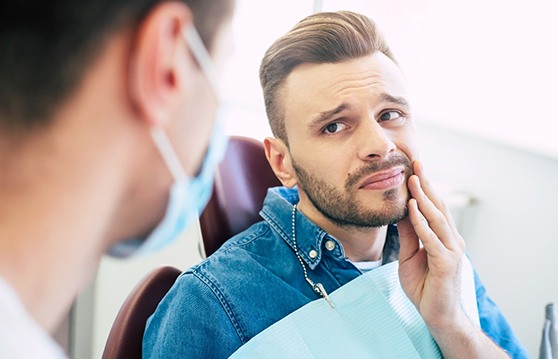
{"x":125,"y":337}
{"x":241,"y":185}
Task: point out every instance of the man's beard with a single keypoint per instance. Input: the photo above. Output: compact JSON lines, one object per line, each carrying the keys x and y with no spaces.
{"x":343,"y":208}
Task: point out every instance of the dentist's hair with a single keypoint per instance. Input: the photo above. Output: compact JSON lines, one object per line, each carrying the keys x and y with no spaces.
{"x":46,"y":48}
{"x":327,"y":37}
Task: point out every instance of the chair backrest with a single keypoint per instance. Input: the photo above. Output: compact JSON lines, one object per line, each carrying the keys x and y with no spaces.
{"x":241,"y":184}
{"x":126,"y":335}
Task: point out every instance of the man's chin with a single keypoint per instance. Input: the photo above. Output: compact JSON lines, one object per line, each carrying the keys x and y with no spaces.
{"x":404,"y":213}
{"x":390,"y":213}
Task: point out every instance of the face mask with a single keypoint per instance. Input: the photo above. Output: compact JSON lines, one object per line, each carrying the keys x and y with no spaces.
{"x":188,"y":196}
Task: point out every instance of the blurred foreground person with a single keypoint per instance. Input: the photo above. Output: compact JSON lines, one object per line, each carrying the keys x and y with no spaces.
{"x":108,"y":143}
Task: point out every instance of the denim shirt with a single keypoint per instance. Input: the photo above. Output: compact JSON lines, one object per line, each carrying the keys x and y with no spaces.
{"x":255,"y":280}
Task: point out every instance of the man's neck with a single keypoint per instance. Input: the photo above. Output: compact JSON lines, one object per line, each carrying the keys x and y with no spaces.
{"x":56,"y":204}
{"x":359,"y":244}
{"x":45,"y":259}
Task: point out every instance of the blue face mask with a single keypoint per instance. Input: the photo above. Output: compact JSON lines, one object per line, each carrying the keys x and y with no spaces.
{"x":188,"y":196}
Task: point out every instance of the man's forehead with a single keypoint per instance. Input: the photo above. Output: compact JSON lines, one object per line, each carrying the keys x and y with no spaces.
{"x":313,"y":86}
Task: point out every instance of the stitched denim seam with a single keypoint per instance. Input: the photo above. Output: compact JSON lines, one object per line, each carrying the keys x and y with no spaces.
{"x":247,"y":239}
{"x":227,"y":248}
{"x":215,"y":288}
{"x":319,"y":233}
{"x":279,"y":230}
{"x":222,"y":300}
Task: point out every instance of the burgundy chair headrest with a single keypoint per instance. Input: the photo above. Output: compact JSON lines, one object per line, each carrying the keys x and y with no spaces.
{"x":126,"y":335}
{"x":240,"y":188}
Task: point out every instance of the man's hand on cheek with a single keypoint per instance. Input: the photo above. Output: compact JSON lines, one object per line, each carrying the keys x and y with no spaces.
{"x":431,"y":275}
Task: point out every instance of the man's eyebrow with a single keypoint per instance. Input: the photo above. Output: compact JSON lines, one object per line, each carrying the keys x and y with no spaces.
{"x":327,"y":115}
{"x":394,"y":99}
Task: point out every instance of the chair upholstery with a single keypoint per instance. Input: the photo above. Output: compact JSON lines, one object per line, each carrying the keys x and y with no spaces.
{"x":126,"y":335}
{"x":241,"y":184}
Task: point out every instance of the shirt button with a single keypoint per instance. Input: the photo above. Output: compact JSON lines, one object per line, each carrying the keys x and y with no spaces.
{"x":330,"y":245}
{"x":313,"y":254}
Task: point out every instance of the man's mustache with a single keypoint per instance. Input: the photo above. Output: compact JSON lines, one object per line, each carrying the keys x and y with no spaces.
{"x":373,"y":167}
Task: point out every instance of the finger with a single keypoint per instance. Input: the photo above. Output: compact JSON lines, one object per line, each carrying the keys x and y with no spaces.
{"x":437,"y":221}
{"x":429,"y":239}
{"x":431,"y":193}
{"x":408,"y":239}
{"x":428,"y":189}
{"x":436,"y":199}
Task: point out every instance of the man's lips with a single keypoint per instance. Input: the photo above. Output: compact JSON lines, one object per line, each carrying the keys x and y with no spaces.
{"x":384,"y":180}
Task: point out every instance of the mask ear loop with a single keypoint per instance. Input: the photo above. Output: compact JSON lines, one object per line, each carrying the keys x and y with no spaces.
{"x":168,"y":153}
{"x":203,"y":58}
{"x":205,"y":62}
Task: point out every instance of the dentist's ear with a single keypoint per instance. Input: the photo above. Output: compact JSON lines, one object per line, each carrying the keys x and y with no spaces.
{"x":279,"y":159}
{"x":158,"y":62}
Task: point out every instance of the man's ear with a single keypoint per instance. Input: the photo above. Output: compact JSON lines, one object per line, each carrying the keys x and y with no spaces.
{"x":158,"y":62}
{"x":279,"y":158}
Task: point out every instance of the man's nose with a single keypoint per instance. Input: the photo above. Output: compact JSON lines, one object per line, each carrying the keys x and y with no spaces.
{"x":375,"y":142}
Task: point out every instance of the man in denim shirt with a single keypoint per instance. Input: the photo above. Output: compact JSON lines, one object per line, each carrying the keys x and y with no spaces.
{"x":345,"y":149}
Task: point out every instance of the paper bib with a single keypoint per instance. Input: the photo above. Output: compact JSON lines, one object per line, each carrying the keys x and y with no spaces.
{"x":373,"y":318}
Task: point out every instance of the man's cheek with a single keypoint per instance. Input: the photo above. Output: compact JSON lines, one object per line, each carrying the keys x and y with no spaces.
{"x":411,"y":150}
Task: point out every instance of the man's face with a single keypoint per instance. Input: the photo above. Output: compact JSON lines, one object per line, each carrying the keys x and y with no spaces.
{"x":351,"y":139}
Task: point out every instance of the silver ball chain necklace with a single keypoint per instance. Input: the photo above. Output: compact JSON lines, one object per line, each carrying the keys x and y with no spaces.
{"x":317,"y":287}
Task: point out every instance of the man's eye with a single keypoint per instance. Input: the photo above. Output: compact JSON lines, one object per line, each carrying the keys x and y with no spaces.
{"x":390,"y":116}
{"x":334,"y":127}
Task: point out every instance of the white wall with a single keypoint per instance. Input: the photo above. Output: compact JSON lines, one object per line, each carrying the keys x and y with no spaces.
{"x":510,"y":234}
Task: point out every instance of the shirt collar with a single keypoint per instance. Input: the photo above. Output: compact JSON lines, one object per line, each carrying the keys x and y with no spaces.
{"x":277,"y":211}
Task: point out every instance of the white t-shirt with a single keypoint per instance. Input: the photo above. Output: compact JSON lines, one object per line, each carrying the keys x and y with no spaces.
{"x":367,"y":266}
{"x":20,"y":336}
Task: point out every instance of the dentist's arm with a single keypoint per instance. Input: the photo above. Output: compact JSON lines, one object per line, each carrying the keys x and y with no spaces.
{"x":431,"y":275}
